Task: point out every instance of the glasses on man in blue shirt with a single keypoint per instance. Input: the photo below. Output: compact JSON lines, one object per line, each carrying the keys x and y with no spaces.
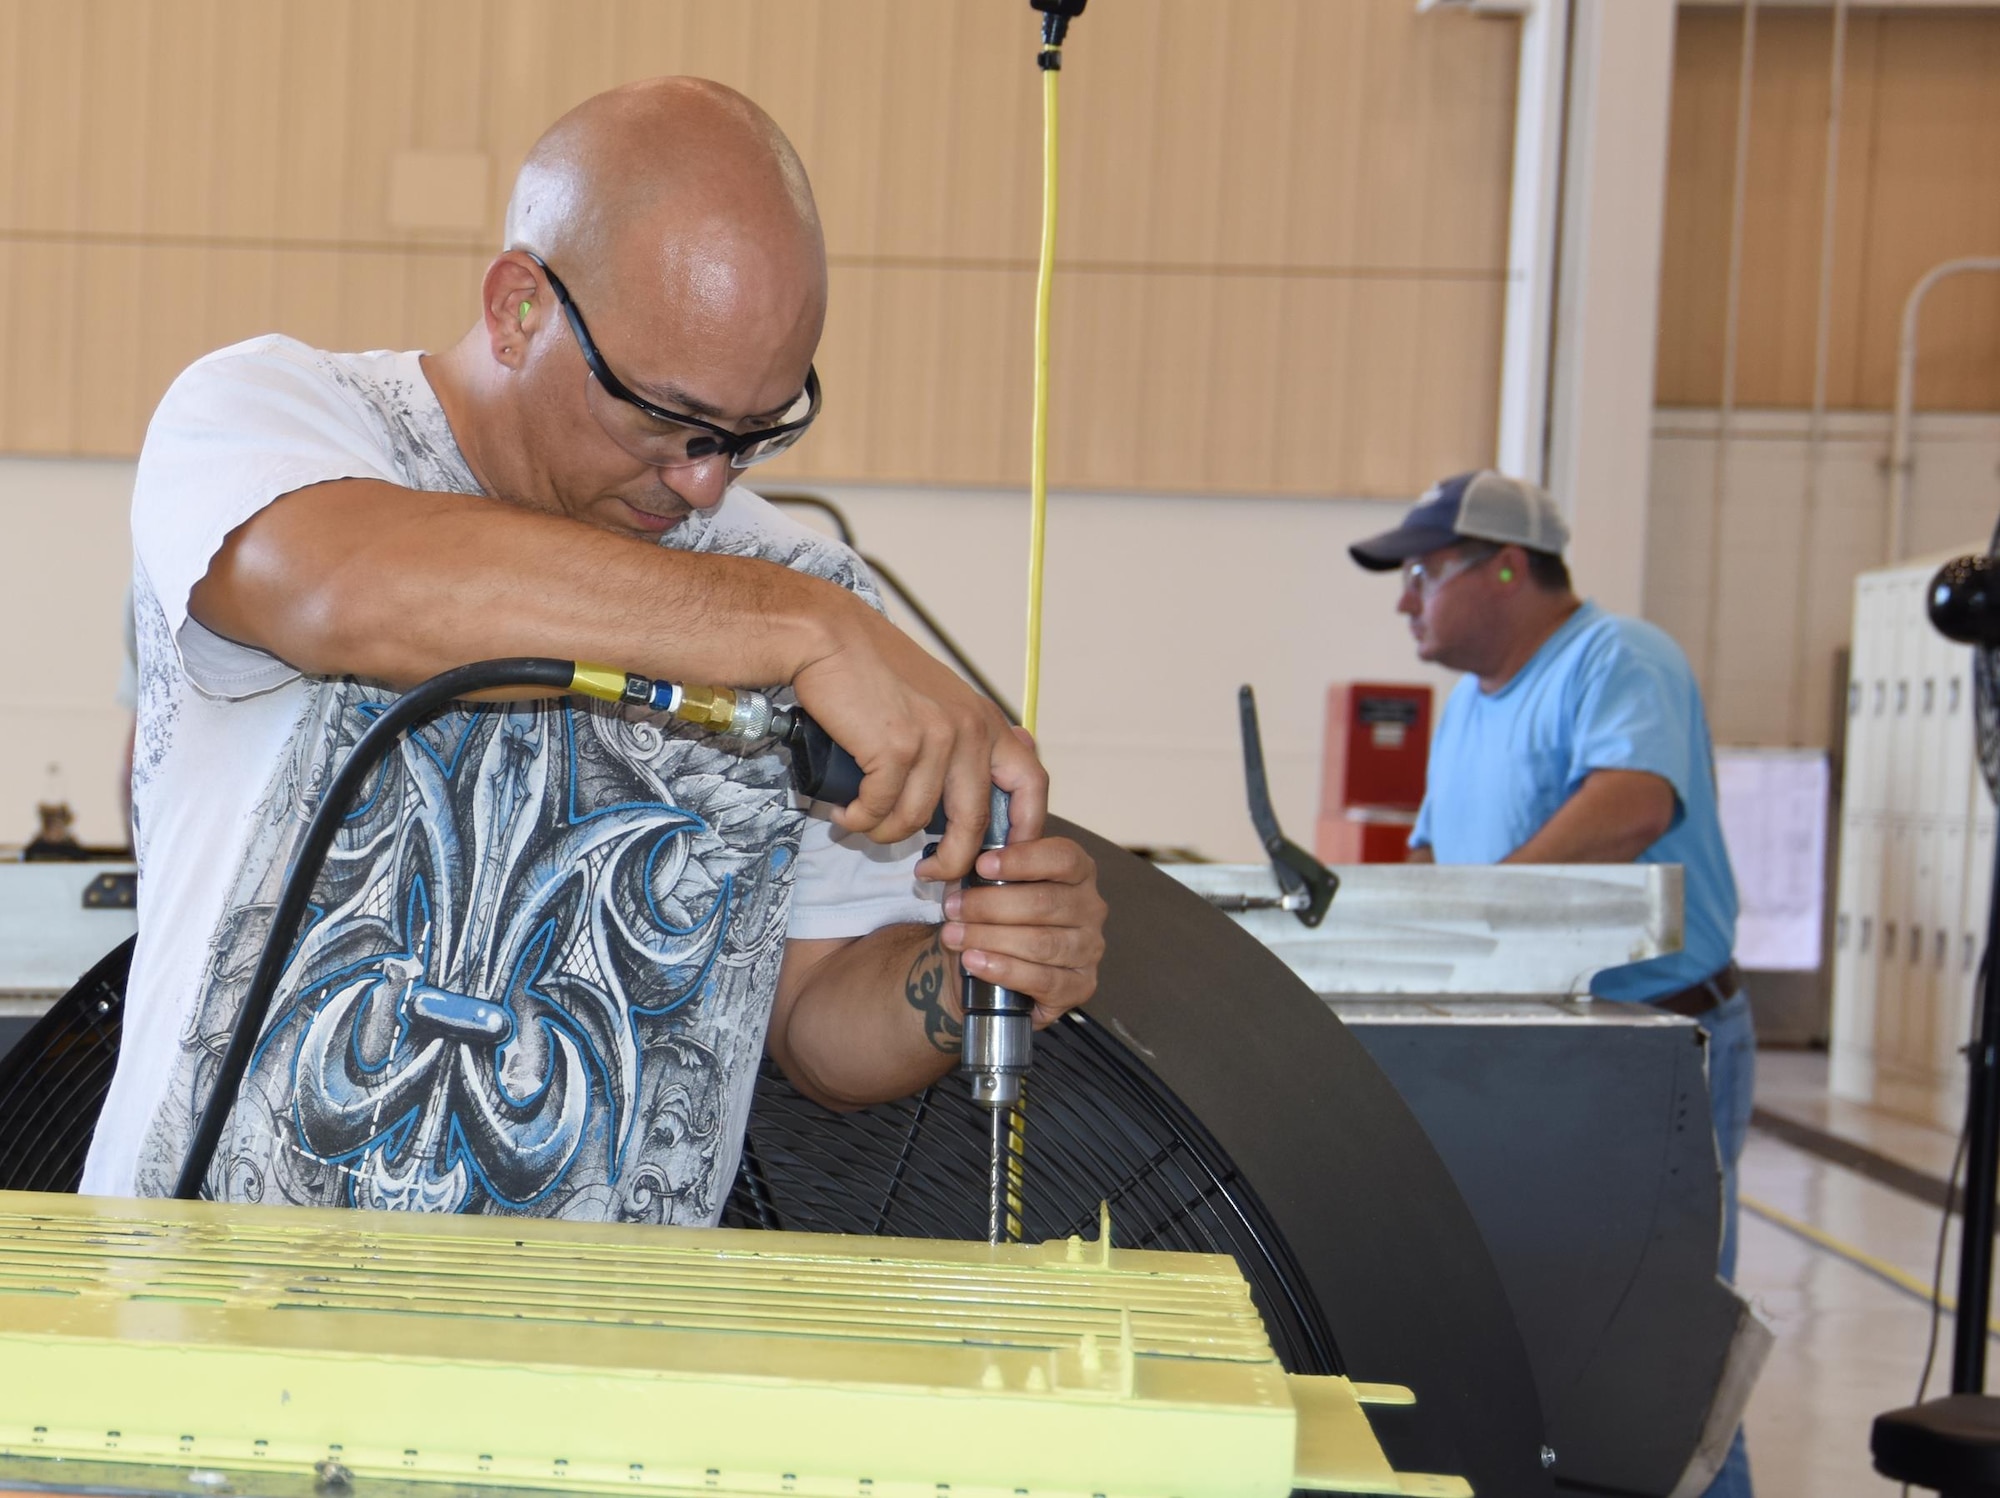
{"x":1428,"y":581}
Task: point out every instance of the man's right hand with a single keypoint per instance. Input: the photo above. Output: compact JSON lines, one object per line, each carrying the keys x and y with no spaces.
{"x":920,"y":735}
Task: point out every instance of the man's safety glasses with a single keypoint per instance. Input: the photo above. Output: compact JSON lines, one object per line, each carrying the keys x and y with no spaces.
{"x":1427,"y":580}
{"x":674,"y":439}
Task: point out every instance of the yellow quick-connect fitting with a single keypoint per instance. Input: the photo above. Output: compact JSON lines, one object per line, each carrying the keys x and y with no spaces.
{"x":605,"y":683}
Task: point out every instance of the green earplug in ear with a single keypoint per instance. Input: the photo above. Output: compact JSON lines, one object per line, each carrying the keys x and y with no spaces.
{"x":526,"y":308}
{"x":1506,"y":574}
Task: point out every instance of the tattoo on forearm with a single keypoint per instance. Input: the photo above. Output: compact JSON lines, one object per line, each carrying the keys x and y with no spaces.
{"x":924,"y":990}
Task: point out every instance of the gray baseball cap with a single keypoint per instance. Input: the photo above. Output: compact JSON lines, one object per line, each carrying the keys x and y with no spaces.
{"x":1482,"y":506}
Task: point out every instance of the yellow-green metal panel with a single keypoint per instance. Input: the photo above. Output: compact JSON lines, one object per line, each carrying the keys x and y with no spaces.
{"x":531,"y":1353}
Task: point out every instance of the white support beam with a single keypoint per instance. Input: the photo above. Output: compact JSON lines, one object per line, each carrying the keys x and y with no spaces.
{"x":1589,"y":202}
{"x":1607,"y":301}
{"x":1531,"y":241}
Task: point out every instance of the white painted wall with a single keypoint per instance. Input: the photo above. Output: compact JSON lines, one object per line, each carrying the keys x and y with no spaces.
{"x":1773,"y":681}
{"x":1157,"y":608}
{"x":66,"y":542}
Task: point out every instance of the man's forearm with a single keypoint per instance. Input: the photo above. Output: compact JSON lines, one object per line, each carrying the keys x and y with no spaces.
{"x":1613,"y":817}
{"x":878,"y":1019}
{"x":363,"y":578}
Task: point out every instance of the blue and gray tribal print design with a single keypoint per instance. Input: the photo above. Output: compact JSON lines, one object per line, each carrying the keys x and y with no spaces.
{"x":535,"y":979}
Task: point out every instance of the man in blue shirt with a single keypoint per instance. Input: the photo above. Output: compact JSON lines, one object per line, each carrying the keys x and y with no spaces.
{"x":1575,"y":736}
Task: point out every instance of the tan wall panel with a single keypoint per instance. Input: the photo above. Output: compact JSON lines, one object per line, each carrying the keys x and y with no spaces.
{"x":239,"y":296}
{"x":13,"y":29}
{"x":1919,"y":184}
{"x":919,"y":127}
{"x":40,"y":410}
{"x":846,"y":159}
{"x":1266,"y":75}
{"x":1183,"y":126}
{"x":107,"y":404}
{"x":441,"y":298}
{"x":1098,"y":379}
{"x":250,"y":102}
{"x":309,"y":307}
{"x":1936,"y":195}
{"x":1359,"y":377}
{"x":913,"y":316}
{"x":994,"y":207}
{"x":381,"y":116}
{"x":49,"y":92}
{"x":316,"y":64}
{"x":188,"y":292}
{"x":1282,"y":243}
{"x":450,"y":85}
{"x":131,"y":146}
{"x":374,"y":300}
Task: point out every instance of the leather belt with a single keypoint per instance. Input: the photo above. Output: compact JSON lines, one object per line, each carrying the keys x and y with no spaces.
{"x":1698,"y":999}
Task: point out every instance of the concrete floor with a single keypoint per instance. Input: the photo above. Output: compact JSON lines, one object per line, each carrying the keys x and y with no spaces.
{"x":1850,"y":1342}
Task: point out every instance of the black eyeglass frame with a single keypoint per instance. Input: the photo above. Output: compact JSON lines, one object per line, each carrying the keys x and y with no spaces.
{"x":727,"y":443}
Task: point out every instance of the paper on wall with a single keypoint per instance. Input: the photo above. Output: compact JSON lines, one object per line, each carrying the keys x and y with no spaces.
{"x":1774,"y":821}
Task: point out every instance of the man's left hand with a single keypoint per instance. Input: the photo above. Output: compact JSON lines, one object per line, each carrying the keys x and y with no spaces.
{"x":1038,"y":929}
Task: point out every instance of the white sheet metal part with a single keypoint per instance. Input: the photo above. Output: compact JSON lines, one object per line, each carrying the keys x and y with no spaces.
{"x":47,"y":938}
{"x":1472,"y":931}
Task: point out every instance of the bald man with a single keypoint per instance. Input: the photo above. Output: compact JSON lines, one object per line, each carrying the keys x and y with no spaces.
{"x":549,"y":947}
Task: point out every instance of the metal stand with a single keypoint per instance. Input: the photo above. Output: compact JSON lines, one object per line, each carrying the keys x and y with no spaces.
{"x":1982,"y":1122}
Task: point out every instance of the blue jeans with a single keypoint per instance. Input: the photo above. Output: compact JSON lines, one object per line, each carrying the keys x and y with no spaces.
{"x":1732,"y":1075}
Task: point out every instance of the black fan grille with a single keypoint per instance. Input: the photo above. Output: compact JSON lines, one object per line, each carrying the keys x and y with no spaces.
{"x":1100,"y":1128}
{"x":52,"y":1083}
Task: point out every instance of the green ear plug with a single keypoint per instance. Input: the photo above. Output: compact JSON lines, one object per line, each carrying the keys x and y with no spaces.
{"x":526,"y":308}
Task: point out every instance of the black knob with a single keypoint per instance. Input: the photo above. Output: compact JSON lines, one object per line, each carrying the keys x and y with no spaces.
{"x":1965,"y":600}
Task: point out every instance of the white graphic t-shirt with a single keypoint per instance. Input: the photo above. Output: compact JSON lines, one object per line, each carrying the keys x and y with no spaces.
{"x":539,"y":962}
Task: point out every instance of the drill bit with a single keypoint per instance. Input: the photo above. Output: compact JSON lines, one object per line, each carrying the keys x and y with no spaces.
{"x":999,"y":1040}
{"x":996,"y":1177}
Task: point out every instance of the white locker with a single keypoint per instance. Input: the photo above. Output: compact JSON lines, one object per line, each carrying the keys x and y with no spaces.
{"x":1879,"y":722}
{"x":1926,"y":921}
{"x":1916,"y":855}
{"x":1892,"y":991}
{"x":1936,"y":730}
{"x":1957,"y":774}
{"x":1866,"y":770}
{"x":1857,"y":959}
{"x":1850,"y":900}
{"x":1909,"y":748}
